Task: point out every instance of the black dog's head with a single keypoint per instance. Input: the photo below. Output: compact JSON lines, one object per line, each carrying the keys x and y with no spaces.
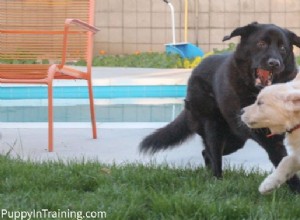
{"x":268,"y":50}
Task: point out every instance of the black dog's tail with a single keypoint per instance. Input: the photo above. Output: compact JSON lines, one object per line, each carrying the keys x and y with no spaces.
{"x":169,"y":136}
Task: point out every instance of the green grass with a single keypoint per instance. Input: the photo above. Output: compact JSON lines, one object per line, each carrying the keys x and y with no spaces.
{"x":140,"y":192}
{"x":142,"y":60}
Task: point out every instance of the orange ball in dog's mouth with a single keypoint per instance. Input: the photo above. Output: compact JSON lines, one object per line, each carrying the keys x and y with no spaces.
{"x":263,"y":77}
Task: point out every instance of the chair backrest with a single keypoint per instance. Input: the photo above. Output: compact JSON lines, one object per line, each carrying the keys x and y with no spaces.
{"x":31,"y":31}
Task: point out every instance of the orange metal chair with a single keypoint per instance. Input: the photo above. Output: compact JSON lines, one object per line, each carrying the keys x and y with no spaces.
{"x":37,"y":40}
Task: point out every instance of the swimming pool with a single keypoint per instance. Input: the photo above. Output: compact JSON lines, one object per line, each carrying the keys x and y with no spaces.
{"x":157,"y":103}
{"x":100,"y":92}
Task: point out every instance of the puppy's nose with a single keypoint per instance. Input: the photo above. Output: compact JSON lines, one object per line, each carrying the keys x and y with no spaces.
{"x":273,"y":63}
{"x":242,"y":111}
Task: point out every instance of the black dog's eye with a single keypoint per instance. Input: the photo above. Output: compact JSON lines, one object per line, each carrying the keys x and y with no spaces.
{"x":282,"y":48}
{"x":262,"y":44}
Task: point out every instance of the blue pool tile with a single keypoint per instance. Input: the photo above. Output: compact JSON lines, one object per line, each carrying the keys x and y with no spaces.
{"x":106,"y":92}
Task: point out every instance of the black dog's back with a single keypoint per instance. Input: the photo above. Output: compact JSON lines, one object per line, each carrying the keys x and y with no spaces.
{"x":208,"y":67}
{"x":200,"y":92}
{"x":199,"y":100}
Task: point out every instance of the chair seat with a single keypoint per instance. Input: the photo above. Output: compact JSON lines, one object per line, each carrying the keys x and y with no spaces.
{"x":24,"y":71}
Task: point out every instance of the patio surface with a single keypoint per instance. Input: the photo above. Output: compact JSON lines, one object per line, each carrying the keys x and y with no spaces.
{"x":117,"y":142}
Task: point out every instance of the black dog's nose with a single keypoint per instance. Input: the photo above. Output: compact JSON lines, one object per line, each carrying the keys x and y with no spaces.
{"x":274,"y":63}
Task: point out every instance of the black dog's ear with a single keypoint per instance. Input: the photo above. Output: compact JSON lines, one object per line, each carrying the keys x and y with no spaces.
{"x":295,"y":40}
{"x":242,"y":31}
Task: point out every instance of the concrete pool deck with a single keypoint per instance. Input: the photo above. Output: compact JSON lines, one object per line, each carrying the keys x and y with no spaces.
{"x":117,"y":142}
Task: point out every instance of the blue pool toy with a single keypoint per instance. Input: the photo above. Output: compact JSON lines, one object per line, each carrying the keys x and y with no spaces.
{"x":185,"y":50}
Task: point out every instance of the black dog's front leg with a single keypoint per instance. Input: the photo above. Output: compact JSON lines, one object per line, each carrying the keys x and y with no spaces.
{"x":276,"y":151}
{"x":213,"y":138}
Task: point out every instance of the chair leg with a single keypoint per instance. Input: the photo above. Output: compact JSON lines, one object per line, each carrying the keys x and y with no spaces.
{"x":50,"y":117}
{"x":92,"y":108}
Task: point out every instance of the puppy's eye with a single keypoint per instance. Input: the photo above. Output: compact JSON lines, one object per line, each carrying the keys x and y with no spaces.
{"x":259,"y":102}
{"x":261,"y":44}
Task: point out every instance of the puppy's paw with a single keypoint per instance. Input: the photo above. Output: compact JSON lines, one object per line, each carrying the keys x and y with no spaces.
{"x":269,"y":184}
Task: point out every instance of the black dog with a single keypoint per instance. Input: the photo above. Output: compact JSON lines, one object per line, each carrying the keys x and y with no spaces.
{"x":221,"y":86}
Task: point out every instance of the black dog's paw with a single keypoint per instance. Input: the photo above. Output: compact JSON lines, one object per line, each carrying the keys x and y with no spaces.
{"x":294,"y":184}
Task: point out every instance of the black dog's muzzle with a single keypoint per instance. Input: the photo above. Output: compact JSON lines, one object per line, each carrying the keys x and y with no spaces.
{"x":264,"y":75}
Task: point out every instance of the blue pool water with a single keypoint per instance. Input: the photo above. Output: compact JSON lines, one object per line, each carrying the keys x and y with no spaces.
{"x":112,"y":103}
{"x":100,"y":92}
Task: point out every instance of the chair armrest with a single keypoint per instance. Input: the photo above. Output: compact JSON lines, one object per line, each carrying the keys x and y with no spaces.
{"x":82,"y":24}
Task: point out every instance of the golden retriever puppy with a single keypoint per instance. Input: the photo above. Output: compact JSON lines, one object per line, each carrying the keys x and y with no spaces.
{"x":277,"y":107}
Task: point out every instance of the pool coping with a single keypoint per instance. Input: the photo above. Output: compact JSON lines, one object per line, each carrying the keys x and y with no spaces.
{"x":120,"y":76}
{"x":100,"y":125}
{"x":109,"y":83}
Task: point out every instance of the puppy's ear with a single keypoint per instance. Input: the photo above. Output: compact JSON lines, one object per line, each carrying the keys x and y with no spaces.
{"x":294,"y":39}
{"x":242,"y":31}
{"x":292,"y":100}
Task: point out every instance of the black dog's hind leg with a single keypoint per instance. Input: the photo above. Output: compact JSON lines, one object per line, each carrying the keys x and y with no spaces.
{"x":276,"y":151}
{"x":206,"y":159}
{"x":213,"y":140}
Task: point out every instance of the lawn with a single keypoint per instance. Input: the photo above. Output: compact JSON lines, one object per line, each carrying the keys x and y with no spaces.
{"x":139,"y":192}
